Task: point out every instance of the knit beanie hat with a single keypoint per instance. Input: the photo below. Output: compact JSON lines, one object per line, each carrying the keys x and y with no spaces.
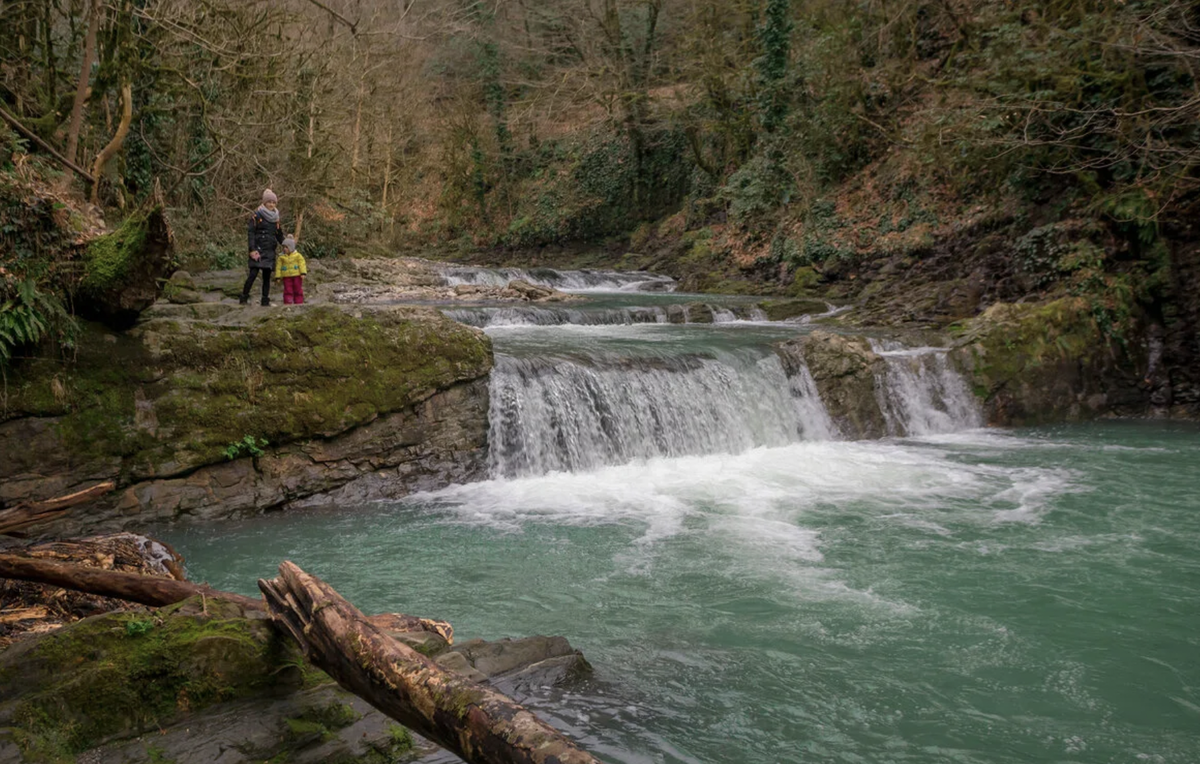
{"x":269,"y":196}
{"x":289,"y":245}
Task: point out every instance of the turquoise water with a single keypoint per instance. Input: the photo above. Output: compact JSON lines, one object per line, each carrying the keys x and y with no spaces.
{"x":989,"y":596}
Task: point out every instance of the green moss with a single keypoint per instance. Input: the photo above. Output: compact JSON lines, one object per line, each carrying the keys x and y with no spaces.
{"x":304,"y":732}
{"x":804,"y":281}
{"x":157,"y":755}
{"x":397,"y":748}
{"x":333,"y":716}
{"x":312,"y":373}
{"x":109,"y":259}
{"x":1011,"y":340}
{"x":113,"y":674}
{"x":778,"y":310}
{"x":291,"y":376}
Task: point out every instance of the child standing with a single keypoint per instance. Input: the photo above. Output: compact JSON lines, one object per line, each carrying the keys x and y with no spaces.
{"x":290,"y":267}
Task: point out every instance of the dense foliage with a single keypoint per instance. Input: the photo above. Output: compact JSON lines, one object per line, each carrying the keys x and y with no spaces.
{"x":439,"y":121}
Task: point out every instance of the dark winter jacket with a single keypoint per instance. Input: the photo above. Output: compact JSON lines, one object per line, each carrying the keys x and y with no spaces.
{"x":264,"y":236}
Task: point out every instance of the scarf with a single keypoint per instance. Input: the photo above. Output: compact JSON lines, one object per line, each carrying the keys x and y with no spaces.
{"x":271,"y":216}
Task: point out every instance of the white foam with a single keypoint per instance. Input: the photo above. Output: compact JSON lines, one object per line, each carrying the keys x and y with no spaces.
{"x":770,"y":496}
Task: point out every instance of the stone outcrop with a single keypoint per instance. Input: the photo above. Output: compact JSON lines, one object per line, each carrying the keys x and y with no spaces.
{"x":846,"y":372}
{"x":207,"y":410}
{"x":1050,"y":362}
{"x":206,"y":681}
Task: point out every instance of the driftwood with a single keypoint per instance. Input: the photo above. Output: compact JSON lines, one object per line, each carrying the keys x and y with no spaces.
{"x":475,"y":722}
{"x":134,"y":587}
{"x":22,"y":516}
{"x":158,"y":591}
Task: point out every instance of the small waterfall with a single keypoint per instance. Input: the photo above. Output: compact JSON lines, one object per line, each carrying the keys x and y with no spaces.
{"x":568,"y":415}
{"x":920,"y":394}
{"x":538,"y":315}
{"x":574,"y":281}
{"x":484,"y":317}
{"x":817,"y":423}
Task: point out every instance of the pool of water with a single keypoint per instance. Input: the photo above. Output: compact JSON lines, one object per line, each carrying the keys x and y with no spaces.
{"x":986,"y":596}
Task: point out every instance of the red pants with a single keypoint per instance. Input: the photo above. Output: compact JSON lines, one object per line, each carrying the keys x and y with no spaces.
{"x":293,"y":290}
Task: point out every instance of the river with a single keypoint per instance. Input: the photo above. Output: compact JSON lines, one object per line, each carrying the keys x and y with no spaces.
{"x":752,"y":588}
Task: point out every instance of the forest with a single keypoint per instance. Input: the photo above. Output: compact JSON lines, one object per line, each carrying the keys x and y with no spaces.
{"x":806,"y":131}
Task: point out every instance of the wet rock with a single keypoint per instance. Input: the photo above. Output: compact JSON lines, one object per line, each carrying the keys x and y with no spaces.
{"x":1046,"y":362}
{"x":529,"y":662}
{"x":323,"y":724}
{"x":846,"y":372}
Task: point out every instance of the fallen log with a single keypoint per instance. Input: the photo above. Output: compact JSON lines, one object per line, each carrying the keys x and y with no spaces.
{"x":22,"y":516}
{"x":473,"y":721}
{"x":157,"y":591}
{"x":146,"y":590}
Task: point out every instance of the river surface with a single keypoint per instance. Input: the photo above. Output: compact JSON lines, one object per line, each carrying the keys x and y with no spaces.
{"x":769,"y":592}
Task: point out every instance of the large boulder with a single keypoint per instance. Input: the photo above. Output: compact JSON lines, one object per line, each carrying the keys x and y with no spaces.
{"x":208,"y":410}
{"x":846,"y":372}
{"x":1050,"y":362}
{"x":209,"y":680}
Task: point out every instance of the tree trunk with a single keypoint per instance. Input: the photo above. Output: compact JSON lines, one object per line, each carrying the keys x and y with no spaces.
{"x":157,"y":592}
{"x":133,"y":587}
{"x":118,"y":139}
{"x":22,"y":516}
{"x":81,"y":87}
{"x":471,"y":720}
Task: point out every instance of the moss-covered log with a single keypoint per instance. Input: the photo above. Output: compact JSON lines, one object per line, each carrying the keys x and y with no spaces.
{"x":124,"y":270}
{"x":475,"y":722}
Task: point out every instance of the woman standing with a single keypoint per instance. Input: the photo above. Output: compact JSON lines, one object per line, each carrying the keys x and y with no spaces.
{"x":265,"y":234}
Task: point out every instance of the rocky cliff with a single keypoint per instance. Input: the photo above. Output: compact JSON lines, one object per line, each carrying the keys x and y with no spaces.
{"x":207,"y":410}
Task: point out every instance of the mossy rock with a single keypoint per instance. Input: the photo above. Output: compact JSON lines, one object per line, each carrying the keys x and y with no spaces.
{"x":781,"y":310}
{"x":124,"y":673}
{"x":174,"y":394}
{"x":845,"y":370}
{"x":1040,"y":362}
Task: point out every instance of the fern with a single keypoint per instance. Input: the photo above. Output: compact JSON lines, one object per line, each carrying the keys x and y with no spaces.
{"x":30,"y":316}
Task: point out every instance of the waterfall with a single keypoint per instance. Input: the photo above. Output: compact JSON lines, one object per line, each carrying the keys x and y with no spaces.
{"x":537,"y":315}
{"x":816,"y":422}
{"x":569,"y":415}
{"x":484,"y":317}
{"x":920,"y":394}
{"x":574,"y":281}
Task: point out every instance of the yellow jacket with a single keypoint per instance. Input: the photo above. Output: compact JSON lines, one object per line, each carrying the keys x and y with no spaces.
{"x":290,"y":265}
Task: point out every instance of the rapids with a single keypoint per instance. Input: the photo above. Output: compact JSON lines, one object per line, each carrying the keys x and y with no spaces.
{"x":751,"y":587}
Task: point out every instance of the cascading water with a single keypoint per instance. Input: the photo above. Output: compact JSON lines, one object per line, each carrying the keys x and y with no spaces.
{"x":485,"y":316}
{"x":551,"y":415}
{"x":582,"y":281}
{"x":604,"y":382}
{"x":920,"y":394}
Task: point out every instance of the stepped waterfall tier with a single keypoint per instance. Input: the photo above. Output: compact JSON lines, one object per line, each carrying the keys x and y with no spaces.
{"x":603,"y":384}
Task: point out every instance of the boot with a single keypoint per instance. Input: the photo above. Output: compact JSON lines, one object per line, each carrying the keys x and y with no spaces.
{"x":244,"y":300}
{"x":266,"y":302}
